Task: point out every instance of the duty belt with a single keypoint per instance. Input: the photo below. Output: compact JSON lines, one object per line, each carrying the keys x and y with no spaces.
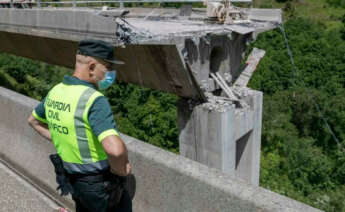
{"x":100,"y":177}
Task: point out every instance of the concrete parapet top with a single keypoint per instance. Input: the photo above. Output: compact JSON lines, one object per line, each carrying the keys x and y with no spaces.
{"x":164,"y":181}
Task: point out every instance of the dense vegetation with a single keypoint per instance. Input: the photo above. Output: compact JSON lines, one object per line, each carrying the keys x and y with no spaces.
{"x":300,"y":158}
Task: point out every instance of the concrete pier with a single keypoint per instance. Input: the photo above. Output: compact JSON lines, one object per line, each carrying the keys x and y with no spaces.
{"x":223,"y":136}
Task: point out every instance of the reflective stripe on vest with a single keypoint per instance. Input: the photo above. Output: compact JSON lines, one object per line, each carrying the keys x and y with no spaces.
{"x":86,"y":168}
{"x":79,"y":126}
{"x":67,"y":109}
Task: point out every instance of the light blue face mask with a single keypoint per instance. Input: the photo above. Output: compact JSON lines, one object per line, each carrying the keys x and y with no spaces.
{"x":109,"y":79}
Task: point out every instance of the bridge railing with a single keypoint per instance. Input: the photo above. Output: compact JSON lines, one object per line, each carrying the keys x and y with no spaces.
{"x":75,"y":3}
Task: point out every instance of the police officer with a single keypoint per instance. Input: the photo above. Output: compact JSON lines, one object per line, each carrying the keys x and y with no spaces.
{"x":78,"y":119}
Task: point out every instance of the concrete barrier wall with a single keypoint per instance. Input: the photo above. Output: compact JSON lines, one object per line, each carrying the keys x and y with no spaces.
{"x":164,"y":181}
{"x":23,"y":149}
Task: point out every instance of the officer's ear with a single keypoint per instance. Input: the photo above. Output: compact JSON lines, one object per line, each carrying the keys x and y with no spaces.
{"x":92,"y":67}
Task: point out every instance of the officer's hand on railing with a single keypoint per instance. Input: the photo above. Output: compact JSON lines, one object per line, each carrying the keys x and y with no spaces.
{"x":124,"y":172}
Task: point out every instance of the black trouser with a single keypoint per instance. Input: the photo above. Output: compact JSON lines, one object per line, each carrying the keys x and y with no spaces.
{"x":92,"y":196}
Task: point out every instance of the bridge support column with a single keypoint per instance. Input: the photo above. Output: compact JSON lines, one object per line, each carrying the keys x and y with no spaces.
{"x":223,"y":136}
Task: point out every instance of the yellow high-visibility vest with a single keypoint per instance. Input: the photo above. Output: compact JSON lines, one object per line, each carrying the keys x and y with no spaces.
{"x":66,"y":110}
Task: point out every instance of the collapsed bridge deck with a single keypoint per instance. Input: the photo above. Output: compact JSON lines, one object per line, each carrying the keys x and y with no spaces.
{"x":158,"y":53}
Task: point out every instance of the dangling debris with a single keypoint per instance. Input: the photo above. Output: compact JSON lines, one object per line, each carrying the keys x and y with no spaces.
{"x":233,"y":95}
{"x":220,"y":81}
{"x":251,"y":64}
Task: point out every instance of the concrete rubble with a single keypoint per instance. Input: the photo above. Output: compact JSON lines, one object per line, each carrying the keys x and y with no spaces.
{"x":225,"y":13}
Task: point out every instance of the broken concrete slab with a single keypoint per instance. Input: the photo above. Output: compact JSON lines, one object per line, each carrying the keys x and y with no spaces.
{"x":251,"y":64}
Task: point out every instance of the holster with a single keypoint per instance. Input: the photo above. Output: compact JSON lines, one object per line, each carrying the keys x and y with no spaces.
{"x":62,"y":179}
{"x":115,"y":189}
